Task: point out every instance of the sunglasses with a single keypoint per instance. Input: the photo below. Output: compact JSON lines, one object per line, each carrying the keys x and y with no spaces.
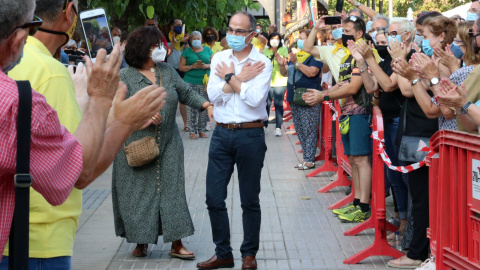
{"x":32,"y":26}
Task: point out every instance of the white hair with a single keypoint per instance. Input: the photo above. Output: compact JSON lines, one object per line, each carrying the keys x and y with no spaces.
{"x":405,"y":25}
{"x":14,"y":13}
{"x":381,"y":17}
{"x":196,"y":33}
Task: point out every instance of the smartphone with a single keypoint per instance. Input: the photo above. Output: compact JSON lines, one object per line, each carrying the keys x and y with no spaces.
{"x":333,"y":20}
{"x":199,"y":62}
{"x":97,"y":32}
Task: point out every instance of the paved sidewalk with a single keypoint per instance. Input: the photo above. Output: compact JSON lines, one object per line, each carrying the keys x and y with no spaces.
{"x":298,"y":231}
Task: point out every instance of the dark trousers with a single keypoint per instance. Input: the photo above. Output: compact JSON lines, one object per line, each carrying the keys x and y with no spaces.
{"x":418,"y":187}
{"x":246,"y":148}
{"x":276,"y":93}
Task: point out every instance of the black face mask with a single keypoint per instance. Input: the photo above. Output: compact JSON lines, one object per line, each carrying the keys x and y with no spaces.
{"x":67,"y":38}
{"x":346,"y":38}
{"x":210,"y":38}
{"x":382,"y":51}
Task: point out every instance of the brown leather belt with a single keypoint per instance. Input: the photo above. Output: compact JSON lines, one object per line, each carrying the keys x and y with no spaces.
{"x":254,"y":124}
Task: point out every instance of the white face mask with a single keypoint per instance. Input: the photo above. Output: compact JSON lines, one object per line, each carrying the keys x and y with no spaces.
{"x":274,"y":43}
{"x":158,"y":54}
{"x":116,"y":39}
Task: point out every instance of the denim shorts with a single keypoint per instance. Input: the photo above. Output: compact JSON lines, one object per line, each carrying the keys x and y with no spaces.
{"x":357,"y":142}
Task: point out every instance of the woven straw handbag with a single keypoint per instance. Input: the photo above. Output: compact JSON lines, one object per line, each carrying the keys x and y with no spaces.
{"x":143,"y":151}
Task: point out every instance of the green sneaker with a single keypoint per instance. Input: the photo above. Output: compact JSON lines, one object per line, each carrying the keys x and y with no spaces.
{"x":345,"y":210}
{"x":355,"y":217}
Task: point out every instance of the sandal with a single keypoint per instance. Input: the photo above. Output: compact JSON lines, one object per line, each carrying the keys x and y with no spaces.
{"x":193,"y":136}
{"x":186,"y":129}
{"x":202,"y":135}
{"x":306,"y":167}
{"x":176,"y":252}
{"x":299,"y":165}
{"x":140,"y":250}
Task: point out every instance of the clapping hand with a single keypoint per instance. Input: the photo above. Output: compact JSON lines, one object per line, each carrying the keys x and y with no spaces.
{"x":80,"y":81}
{"x":313,"y":97}
{"x":353,"y":48}
{"x":280,"y":59}
{"x":364,"y":49}
{"x":447,"y":58}
{"x":451,"y":95}
{"x":402,"y":68}
{"x":425,"y":66}
{"x":398,"y":49}
{"x":293,"y":58}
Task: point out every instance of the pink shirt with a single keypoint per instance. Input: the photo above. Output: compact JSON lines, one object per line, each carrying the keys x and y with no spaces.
{"x":55,"y":155}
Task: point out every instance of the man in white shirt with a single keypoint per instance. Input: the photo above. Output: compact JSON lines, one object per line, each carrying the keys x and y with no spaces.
{"x":239,"y":90}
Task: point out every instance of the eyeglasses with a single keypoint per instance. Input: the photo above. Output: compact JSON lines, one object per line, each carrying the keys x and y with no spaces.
{"x":238,"y":31}
{"x":32,"y":26}
{"x":65,"y":6}
{"x":159,"y":45}
{"x":458,"y":42}
{"x":392,"y":34}
{"x":471,"y":34}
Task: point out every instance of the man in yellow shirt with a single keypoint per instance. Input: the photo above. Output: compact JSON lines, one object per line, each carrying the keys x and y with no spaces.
{"x":259,"y":41}
{"x":52,"y":229}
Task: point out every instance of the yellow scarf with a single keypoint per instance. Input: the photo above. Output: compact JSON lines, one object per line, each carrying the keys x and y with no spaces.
{"x":179,"y":39}
{"x":338,"y":46}
{"x":302,"y":56}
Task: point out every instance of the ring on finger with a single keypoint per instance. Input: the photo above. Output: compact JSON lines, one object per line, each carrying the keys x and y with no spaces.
{"x":154,"y":119}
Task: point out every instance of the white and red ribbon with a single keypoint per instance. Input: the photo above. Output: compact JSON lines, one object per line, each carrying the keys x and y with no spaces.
{"x":422,"y":146}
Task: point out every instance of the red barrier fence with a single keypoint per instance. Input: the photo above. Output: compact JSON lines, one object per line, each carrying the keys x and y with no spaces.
{"x":377,"y":220}
{"x":454,"y":192}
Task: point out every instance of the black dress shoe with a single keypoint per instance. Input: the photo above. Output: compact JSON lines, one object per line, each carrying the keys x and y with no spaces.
{"x":215,"y":263}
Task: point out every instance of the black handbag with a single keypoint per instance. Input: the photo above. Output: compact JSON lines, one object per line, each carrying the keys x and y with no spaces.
{"x":18,"y":245}
{"x":409,"y":144}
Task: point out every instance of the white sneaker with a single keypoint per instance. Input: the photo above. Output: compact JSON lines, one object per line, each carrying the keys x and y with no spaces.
{"x":429,"y":264}
{"x":278,"y":132}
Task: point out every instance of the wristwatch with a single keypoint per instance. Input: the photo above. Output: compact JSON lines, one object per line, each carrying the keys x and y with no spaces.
{"x":228,"y":77}
{"x":434,"y":81}
{"x":326,"y":97}
{"x":464,"y":109}
{"x":296,"y":64}
{"x":415,"y":82}
{"x":357,"y":4}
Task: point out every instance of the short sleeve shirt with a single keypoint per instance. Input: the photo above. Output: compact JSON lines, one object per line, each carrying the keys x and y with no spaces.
{"x":302,"y":80}
{"x":277,"y":78}
{"x":195,"y":76}
{"x":355,"y":104}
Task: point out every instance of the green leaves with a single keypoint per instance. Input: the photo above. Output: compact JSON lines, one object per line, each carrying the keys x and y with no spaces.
{"x":150,"y":12}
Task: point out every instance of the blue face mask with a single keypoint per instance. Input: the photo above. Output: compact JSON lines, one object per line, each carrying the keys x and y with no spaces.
{"x":398,"y":38}
{"x":300,"y":44}
{"x":196,"y":43}
{"x":426,"y":47}
{"x":374,"y":36}
{"x":456,"y":50}
{"x":12,"y":65}
{"x":418,"y":40}
{"x":237,"y":43}
{"x":337,"y":33}
{"x":178,"y":29}
{"x":472,"y":16}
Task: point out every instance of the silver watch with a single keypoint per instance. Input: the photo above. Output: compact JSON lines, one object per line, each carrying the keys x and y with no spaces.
{"x":415,"y":82}
{"x":434,"y":81}
{"x":357,"y":4}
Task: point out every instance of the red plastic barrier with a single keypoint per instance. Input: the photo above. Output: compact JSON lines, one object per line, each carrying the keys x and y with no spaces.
{"x":287,"y":111}
{"x":343,"y":168}
{"x":377,"y":220}
{"x":454,"y":192}
{"x":325,"y":142}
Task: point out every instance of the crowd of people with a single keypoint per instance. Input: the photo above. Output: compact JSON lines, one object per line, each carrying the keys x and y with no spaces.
{"x":422,"y":75}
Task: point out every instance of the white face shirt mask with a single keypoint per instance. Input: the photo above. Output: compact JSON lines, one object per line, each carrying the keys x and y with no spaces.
{"x":158,"y":54}
{"x":116,"y":39}
{"x":274,"y":43}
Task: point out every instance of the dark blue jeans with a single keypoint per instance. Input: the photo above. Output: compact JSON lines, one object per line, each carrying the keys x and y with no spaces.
{"x":56,"y":263}
{"x":276,"y":93}
{"x":398,"y":181}
{"x":246,"y":148}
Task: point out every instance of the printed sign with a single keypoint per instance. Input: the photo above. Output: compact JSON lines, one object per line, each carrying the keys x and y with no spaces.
{"x":476,"y":179}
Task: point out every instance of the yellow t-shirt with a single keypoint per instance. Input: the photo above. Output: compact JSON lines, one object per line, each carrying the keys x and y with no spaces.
{"x":331,"y":59}
{"x":52,"y":229}
{"x":257,"y":44}
{"x":277,"y":78}
{"x":215,"y":48}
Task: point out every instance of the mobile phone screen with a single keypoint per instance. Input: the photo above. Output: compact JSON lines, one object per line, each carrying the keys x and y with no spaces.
{"x":333,"y":20}
{"x":97,"y":34}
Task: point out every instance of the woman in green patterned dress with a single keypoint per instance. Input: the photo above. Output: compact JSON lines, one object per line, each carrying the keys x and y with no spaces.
{"x":150,"y":201}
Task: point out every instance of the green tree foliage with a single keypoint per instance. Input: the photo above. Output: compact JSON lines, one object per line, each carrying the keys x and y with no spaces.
{"x":196,"y":14}
{"x":400,"y":7}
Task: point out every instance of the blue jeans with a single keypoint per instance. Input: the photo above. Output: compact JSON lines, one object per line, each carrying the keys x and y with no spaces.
{"x":397,"y":180}
{"x":56,"y":263}
{"x":277,"y":93}
{"x":246,"y":148}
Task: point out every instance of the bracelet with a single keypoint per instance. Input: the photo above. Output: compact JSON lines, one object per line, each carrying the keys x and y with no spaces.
{"x":189,"y":67}
{"x":363,"y":70}
{"x":210,"y":105}
{"x":376,"y":96}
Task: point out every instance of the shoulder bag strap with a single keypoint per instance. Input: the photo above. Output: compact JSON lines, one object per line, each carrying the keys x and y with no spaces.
{"x":404,"y":130}
{"x":18,"y":248}
{"x":199,"y":58}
